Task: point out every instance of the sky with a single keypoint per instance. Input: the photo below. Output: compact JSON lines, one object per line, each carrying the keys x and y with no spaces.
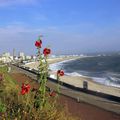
{"x":67,"y":26}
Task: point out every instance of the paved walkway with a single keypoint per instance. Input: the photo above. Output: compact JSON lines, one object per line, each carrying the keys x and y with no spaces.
{"x":79,"y":96}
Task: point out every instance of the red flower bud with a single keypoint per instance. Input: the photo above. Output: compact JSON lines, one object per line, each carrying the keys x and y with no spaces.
{"x":46,"y":51}
{"x":52,"y":93}
{"x":60,"y":73}
{"x":38,"y":43}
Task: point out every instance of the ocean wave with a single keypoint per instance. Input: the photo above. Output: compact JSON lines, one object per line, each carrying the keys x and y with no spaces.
{"x":80,"y":68}
{"x":105,"y":81}
{"x":55,"y":67}
{"x":114,"y":85}
{"x":58,"y":65}
{"x":74,"y":74}
{"x":101,"y":80}
{"x":111,"y":81}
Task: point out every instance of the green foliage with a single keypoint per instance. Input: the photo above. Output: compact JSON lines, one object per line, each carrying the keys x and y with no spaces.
{"x":34,"y":105}
{"x":9,"y":82}
{"x":21,"y":107}
{"x":2,"y":107}
{"x":15,"y":106}
{"x":3,"y":69}
{"x":8,"y":78}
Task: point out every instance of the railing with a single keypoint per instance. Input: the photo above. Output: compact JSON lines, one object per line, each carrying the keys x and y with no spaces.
{"x":85,"y":90}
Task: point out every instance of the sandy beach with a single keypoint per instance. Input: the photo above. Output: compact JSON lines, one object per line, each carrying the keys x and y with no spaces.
{"x":78,"y":80}
{"x":100,"y":102}
{"x":34,"y":65}
{"x":81,"y":110}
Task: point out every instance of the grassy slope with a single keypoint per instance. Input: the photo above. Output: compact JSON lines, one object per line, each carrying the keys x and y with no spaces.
{"x":10,"y":85}
{"x":7,"y":85}
{"x":7,"y":77}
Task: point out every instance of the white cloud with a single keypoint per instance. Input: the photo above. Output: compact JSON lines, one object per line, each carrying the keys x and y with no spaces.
{"x":19,"y":36}
{"x":13,"y":32}
{"x":60,"y":40}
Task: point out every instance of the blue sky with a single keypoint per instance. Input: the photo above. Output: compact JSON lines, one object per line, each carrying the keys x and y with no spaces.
{"x":67,"y":26}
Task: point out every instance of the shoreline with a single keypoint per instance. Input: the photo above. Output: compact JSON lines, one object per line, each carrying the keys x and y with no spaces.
{"x":98,"y":101}
{"x":75,"y":108}
{"x":92,"y":85}
{"x":78,"y":80}
{"x":34,"y":65}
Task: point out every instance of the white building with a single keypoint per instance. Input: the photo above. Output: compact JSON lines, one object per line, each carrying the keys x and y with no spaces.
{"x":28,"y":57}
{"x":22,"y":55}
{"x":6,"y":54}
{"x":6,"y":58}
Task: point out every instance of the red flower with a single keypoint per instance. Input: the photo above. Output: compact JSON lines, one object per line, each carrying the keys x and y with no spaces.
{"x":46,"y":51}
{"x":38,"y":43}
{"x":23,"y":91}
{"x":25,"y":88}
{"x":52,"y":93}
{"x":60,"y":73}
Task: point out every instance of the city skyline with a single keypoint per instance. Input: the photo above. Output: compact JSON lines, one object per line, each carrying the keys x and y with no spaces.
{"x":67,"y":26}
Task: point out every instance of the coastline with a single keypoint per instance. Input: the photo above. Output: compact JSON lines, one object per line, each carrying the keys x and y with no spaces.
{"x":34,"y":65}
{"x":78,"y":80}
{"x":75,"y":108}
{"x":100,"y":102}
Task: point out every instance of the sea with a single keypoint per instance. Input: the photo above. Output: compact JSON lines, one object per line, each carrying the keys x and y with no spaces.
{"x":104,"y":69}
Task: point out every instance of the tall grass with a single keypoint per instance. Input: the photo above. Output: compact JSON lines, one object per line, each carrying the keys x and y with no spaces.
{"x":15,"y":106}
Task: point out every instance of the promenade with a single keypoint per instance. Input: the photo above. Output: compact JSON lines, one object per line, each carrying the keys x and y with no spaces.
{"x":79,"y":96}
